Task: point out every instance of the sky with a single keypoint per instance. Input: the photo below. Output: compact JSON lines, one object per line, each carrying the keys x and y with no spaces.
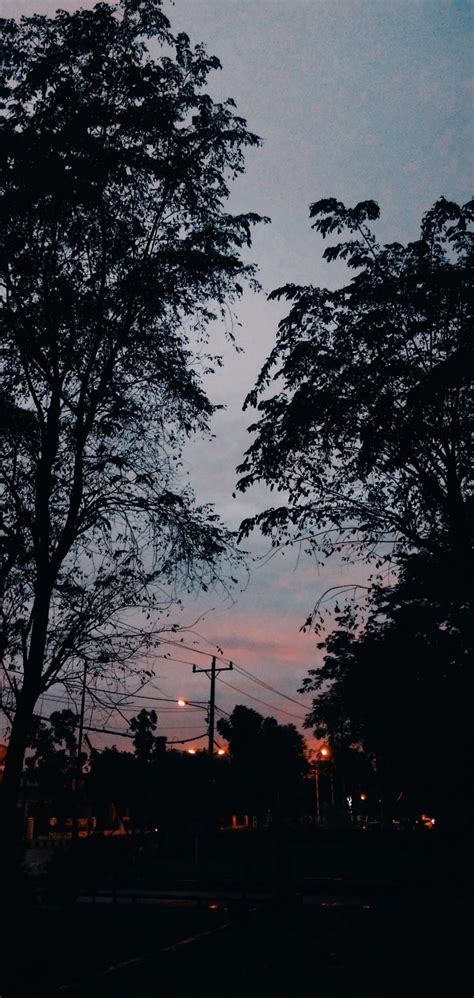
{"x":354,"y":99}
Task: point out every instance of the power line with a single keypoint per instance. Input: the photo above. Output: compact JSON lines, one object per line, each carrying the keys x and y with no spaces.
{"x":222,"y":658}
{"x":170,"y":658}
{"x":195,"y":651}
{"x":212,"y":673}
{"x":266,"y":686}
{"x":133,"y":696}
{"x":194,"y":704}
{"x":280,"y":710}
{"x":154,"y":699}
{"x":126,"y":734}
{"x":121,"y":734}
{"x":245,"y":672}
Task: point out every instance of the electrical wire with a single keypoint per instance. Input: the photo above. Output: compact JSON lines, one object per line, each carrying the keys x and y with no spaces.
{"x":126,"y":734}
{"x":121,"y":734}
{"x":191,"y":704}
{"x":266,"y":686}
{"x":246,"y":672}
{"x":280,"y":710}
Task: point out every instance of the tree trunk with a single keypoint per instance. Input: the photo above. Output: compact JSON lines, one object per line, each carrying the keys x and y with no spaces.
{"x":11,"y":825}
{"x":11,"y":822}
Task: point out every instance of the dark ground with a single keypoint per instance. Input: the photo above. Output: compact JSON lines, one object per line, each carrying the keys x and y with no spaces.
{"x":360,"y":914}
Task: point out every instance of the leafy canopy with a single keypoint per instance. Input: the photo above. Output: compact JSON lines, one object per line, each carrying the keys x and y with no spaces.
{"x":370,"y":427}
{"x":268,"y":762}
{"x":400,"y":688}
{"x":117,"y":251}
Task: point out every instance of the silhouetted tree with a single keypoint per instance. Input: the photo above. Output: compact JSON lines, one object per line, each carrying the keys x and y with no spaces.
{"x":370,"y":431}
{"x":53,"y":762}
{"x":112,"y":784}
{"x":169,"y":790}
{"x":370,"y":434}
{"x":268,"y":763}
{"x":147,"y":744}
{"x":116,"y":253}
{"x":399,"y":687}
{"x":54,"y":749}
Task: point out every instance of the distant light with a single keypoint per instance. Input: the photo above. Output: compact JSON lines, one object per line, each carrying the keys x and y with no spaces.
{"x":213,"y":906}
{"x":191,"y":751}
{"x":182,"y":703}
{"x":363,"y":796}
{"x":221,"y":751}
{"x":426,"y":821}
{"x":325,"y":752}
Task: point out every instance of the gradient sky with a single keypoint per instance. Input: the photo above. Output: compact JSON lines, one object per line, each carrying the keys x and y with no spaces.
{"x":354,"y":99}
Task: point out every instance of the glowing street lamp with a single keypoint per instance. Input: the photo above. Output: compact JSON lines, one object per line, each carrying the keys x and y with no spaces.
{"x":322,"y":754}
{"x":182,"y":703}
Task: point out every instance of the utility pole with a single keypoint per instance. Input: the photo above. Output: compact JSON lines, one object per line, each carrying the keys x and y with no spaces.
{"x":316,"y":778}
{"x":212,"y":673}
{"x":81,"y":720}
{"x":76,"y":782}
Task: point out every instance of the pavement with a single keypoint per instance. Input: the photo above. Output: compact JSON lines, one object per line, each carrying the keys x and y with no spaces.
{"x":327,"y":949}
{"x":394,"y":922}
{"x":360,"y":939}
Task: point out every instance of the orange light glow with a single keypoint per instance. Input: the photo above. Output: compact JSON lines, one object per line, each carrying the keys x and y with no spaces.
{"x":426,"y":821}
{"x":221,"y":751}
{"x":213,"y":906}
{"x":325,"y":752}
{"x":363,"y":796}
{"x":191,"y":751}
{"x":181,"y":703}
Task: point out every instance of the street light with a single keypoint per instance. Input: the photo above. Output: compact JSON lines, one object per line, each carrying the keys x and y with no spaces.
{"x":322,"y":754}
{"x":201,"y":706}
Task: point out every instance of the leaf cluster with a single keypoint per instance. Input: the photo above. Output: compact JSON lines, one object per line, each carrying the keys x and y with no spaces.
{"x":117,"y":251}
{"x":370,"y":429}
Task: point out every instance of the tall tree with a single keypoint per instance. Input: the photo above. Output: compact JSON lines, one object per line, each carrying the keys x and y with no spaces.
{"x":117,"y":251}
{"x":54,"y":748}
{"x":147,"y":745}
{"x":268,"y":763}
{"x":370,"y":436}
{"x":370,"y":431}
{"x":400,"y":689}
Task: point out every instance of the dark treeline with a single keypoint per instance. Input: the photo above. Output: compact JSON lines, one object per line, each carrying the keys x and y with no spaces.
{"x":261,"y":776}
{"x":258,"y":778}
{"x":370,"y":435}
{"x":117,"y":254}
{"x":398,"y":688}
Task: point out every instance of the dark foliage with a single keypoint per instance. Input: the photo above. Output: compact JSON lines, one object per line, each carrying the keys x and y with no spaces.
{"x":400,"y":688}
{"x":370,"y":435}
{"x":117,"y":251}
{"x":370,"y":431}
{"x":268,"y":763}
